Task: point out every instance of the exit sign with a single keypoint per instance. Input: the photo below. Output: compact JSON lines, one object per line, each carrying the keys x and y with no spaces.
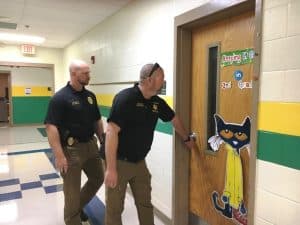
{"x":28,"y":49}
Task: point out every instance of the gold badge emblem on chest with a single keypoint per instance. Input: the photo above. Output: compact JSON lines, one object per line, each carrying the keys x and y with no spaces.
{"x":155,"y":107}
{"x":90,"y":100}
{"x":70,"y":141}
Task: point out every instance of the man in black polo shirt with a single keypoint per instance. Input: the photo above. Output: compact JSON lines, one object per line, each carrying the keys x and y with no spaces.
{"x":129,"y":137}
{"x":72,"y":120}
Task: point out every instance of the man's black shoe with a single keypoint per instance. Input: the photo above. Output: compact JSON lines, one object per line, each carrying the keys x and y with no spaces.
{"x":83,"y":216}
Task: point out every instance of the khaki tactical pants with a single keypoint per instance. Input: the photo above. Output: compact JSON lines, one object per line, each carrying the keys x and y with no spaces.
{"x":139,"y":179}
{"x":81,"y":156}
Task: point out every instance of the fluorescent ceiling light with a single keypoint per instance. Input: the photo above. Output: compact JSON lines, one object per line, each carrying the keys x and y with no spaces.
{"x":24,"y":39}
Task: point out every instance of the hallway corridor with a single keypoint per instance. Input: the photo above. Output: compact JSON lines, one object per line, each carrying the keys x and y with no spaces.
{"x":30,"y":187}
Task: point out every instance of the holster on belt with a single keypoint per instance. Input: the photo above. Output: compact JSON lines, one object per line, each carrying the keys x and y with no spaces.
{"x":64,"y":134}
{"x":102,"y":146}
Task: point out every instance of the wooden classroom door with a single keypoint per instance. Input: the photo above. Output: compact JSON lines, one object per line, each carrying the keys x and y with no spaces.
{"x":222,"y":67}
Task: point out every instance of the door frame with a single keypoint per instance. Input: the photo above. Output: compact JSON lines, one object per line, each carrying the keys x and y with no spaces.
{"x":23,"y":64}
{"x":208,"y":13}
{"x":8,"y":73}
{"x":10,"y":122}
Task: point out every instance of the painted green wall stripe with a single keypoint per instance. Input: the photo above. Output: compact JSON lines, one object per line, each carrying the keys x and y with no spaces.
{"x":161,"y":126}
{"x":104,"y":110}
{"x":27,"y":110}
{"x":279,"y":148}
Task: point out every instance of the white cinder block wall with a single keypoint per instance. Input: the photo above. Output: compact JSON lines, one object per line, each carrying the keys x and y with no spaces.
{"x":278,"y":186}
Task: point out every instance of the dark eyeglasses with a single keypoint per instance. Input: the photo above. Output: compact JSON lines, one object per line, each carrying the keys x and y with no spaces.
{"x":155,"y":67}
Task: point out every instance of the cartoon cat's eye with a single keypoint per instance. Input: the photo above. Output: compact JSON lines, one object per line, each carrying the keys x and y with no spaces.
{"x":226,"y":133}
{"x":241,"y":136}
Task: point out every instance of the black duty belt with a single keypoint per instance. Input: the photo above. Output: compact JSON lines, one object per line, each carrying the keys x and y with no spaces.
{"x":119,"y":157}
{"x":123,"y":158}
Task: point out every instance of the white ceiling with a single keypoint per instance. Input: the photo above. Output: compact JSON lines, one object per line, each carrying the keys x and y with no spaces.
{"x":59,"y":21}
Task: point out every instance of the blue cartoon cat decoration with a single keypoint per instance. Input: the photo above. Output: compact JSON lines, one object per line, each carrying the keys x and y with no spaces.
{"x":235,"y":137}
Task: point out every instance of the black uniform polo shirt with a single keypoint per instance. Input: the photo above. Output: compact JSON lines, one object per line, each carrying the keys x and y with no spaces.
{"x":74,"y":113}
{"x":137,"y":118}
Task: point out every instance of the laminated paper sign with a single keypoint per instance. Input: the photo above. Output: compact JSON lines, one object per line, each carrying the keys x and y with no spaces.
{"x":238,"y":57}
{"x":27,"y":91}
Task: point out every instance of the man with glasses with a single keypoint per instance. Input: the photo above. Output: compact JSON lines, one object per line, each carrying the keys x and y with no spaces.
{"x":129,"y":137}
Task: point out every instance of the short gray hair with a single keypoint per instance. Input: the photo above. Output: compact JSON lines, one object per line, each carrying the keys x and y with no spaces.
{"x":146,"y":69}
{"x":76,"y":64}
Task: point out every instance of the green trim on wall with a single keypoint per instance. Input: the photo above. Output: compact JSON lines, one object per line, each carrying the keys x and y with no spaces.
{"x":164,"y":127}
{"x":160,"y":126}
{"x":28,"y":110}
{"x":105,"y":110}
{"x":279,"y":148}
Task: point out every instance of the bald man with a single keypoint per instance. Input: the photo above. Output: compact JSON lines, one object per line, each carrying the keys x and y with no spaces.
{"x":72,"y":120}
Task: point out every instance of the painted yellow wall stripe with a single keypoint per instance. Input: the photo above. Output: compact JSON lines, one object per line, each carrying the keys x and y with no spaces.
{"x":279,"y":117}
{"x":168,"y":99}
{"x":107,"y":99}
{"x":19,"y":91}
